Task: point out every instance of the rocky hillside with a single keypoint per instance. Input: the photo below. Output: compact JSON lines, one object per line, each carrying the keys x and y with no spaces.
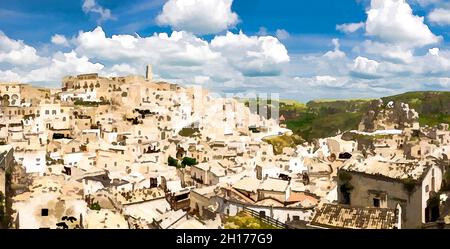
{"x":319,"y":119}
{"x":388,"y":116}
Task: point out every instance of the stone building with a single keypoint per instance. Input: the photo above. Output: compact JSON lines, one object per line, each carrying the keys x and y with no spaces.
{"x":408,"y":185}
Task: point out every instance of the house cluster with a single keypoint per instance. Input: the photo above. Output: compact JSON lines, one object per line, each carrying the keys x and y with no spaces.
{"x":132,"y":152}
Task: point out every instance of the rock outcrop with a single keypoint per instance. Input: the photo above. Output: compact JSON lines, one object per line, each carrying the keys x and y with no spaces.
{"x":388,"y":116}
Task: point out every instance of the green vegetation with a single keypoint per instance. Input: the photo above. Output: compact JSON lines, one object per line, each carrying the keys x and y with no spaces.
{"x":433,"y":106}
{"x":323,"y":118}
{"x":189,"y":132}
{"x":91,"y":103}
{"x":188,"y":161}
{"x":245,"y":221}
{"x":409,"y":184}
{"x":172,"y":162}
{"x":95,"y":206}
{"x":345,"y":186}
{"x":446,"y":180}
{"x":283,"y":141}
{"x":344,"y":176}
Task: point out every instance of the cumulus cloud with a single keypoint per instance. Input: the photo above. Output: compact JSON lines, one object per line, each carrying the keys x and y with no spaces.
{"x":180,"y":56}
{"x":282,"y":34}
{"x":433,"y":51}
{"x":350,"y":27}
{"x":201,"y":79}
{"x":198,"y":16}
{"x":393,"y":21}
{"x":427,"y":2}
{"x":63,"y":64}
{"x":440,"y":16}
{"x":387,"y":51}
{"x":16,"y":52}
{"x":60,"y":40}
{"x":365,"y":68}
{"x":179,"y":48}
{"x":336,"y":53}
{"x":91,"y":6}
{"x":252,"y":55}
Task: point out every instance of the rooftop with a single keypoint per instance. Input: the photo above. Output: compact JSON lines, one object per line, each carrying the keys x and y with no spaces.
{"x":105,"y":219}
{"x":271,"y":184}
{"x":247,"y":184}
{"x":396,"y":169}
{"x":339,"y":216}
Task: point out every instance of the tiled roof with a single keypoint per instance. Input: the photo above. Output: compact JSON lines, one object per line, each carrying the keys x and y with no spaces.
{"x":346,"y":217}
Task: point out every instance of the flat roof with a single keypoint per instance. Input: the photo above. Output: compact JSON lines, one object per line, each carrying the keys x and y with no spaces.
{"x":271,"y":184}
{"x":395,"y":169}
{"x":247,"y":184}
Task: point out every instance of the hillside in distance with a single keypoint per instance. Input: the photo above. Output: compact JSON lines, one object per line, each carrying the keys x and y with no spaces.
{"x":324,"y":118}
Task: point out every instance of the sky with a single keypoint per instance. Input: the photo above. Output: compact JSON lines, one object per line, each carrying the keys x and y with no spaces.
{"x":302,"y":50}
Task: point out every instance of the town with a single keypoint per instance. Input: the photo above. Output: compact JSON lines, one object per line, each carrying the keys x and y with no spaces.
{"x":134,"y":153}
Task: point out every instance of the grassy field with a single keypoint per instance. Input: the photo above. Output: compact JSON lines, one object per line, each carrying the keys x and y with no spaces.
{"x":245,"y":221}
{"x":283,"y":141}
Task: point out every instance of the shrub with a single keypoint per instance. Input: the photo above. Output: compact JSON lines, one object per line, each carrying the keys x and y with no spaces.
{"x":172,"y":161}
{"x":95,"y":206}
{"x":409,"y":184}
{"x":189,"y":161}
{"x":344,"y":176}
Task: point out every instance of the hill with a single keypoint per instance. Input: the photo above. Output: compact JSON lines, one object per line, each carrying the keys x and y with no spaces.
{"x":323,"y":118}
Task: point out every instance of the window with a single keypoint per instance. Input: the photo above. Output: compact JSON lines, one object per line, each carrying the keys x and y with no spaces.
{"x":262,"y":214}
{"x":427,"y":188}
{"x":44,"y":212}
{"x":296,"y":217}
{"x":53,"y":112}
{"x":47,"y":112}
{"x":376,"y":202}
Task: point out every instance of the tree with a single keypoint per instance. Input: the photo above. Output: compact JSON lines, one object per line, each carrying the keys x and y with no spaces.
{"x":172,"y":161}
{"x":188,"y":161}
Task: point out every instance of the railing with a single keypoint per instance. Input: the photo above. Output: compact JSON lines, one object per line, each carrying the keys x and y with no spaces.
{"x":266,"y":219}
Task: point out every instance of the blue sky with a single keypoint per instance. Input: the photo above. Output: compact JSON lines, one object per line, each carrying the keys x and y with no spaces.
{"x":300,"y":49}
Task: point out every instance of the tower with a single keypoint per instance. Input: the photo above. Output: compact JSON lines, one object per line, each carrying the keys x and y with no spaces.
{"x":148,"y":73}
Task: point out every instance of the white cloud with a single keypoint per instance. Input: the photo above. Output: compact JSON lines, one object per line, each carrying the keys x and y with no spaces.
{"x":60,"y":40}
{"x":10,"y":76}
{"x":336,"y":53}
{"x":262,"y":31}
{"x":198,"y":16}
{"x":427,"y":2}
{"x":433,"y":51}
{"x":440,"y":16}
{"x":252,"y":55}
{"x":365,"y":68}
{"x":201,"y":79}
{"x":122,"y":69}
{"x":91,"y":6}
{"x":393,"y":21}
{"x":63,"y":64}
{"x":282,"y":34}
{"x":16,"y":52}
{"x":350,"y":27}
{"x":180,"y":48}
{"x":391,"y":52}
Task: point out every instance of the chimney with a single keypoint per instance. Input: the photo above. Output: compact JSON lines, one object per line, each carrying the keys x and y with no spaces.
{"x":148,"y":73}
